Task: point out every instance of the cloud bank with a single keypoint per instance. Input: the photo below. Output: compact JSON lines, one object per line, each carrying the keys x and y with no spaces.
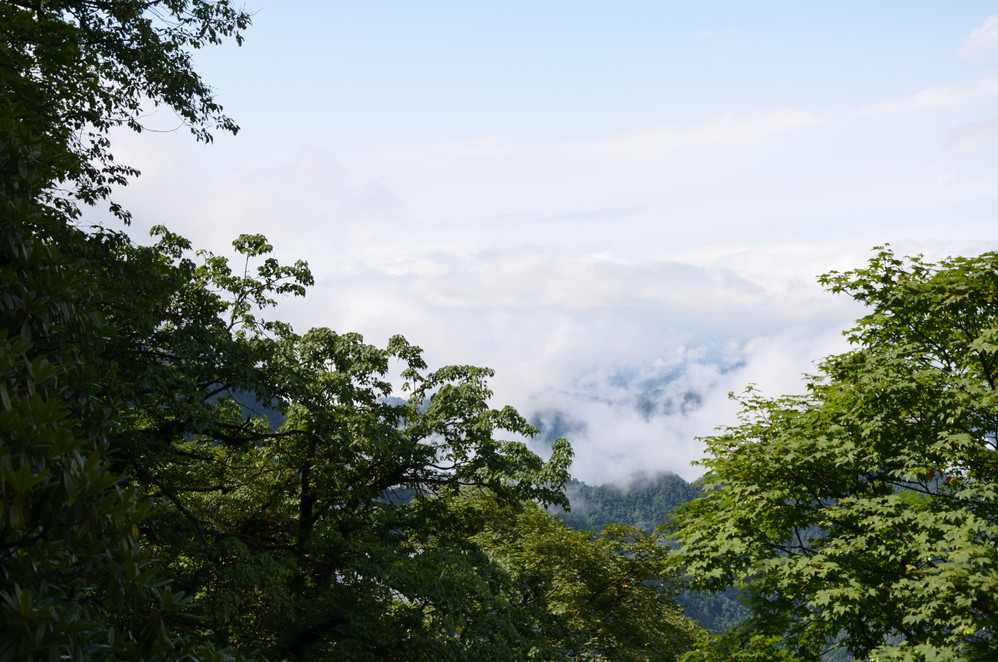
{"x":630,"y":360}
{"x":982,"y":41}
{"x":728,"y":129}
{"x":620,"y":295}
{"x":934,"y":98}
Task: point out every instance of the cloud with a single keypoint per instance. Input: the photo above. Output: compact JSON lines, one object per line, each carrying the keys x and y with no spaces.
{"x":982,"y":40}
{"x":466,"y":148}
{"x":304,"y":200}
{"x":527,"y":278}
{"x":727,"y":130}
{"x":934,"y":98}
{"x":649,"y":419}
{"x":969,"y":136}
{"x":608,"y":214}
{"x":631,"y":360}
{"x":592,"y":309}
{"x":635,"y":357}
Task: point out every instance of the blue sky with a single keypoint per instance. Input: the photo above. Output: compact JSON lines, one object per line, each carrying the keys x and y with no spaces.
{"x":594,"y":197}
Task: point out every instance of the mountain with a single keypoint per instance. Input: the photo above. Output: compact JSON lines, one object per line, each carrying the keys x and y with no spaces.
{"x":647,"y":503}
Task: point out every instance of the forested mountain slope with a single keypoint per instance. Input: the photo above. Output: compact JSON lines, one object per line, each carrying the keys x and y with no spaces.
{"x":647,"y":502}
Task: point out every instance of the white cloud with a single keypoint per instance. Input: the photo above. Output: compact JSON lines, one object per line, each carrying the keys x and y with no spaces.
{"x":304,"y":200}
{"x":728,"y":129}
{"x":465,"y":148}
{"x":934,"y":98}
{"x":969,"y":136}
{"x":544,"y":279}
{"x":636,"y":356}
{"x":584,"y":280}
{"x":585,"y":311}
{"x":649,"y":419}
{"x":982,"y":40}
{"x":593,"y":338}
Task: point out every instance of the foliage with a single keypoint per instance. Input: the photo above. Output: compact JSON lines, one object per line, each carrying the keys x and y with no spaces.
{"x":72,"y":70}
{"x":76,"y":583}
{"x":715,"y":612}
{"x":648,"y":503}
{"x":603,"y":597}
{"x":363,"y":526}
{"x":332,"y":513}
{"x":863,"y":515}
{"x":184,"y":478}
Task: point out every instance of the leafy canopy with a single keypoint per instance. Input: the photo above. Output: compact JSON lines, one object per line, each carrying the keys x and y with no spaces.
{"x":184,"y":478}
{"x":600,"y":597}
{"x":863,"y":515}
{"x":75,"y":580}
{"x":72,"y":70}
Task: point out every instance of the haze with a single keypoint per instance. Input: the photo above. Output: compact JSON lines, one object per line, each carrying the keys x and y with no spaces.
{"x":620,"y":207}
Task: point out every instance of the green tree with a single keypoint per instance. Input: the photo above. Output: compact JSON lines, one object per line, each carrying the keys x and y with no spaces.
{"x":74,"y":580}
{"x":182,"y":477}
{"x":648,"y":504}
{"x":645,"y":503}
{"x":130,"y":370}
{"x":863,"y":515}
{"x":606,"y":596}
{"x":72,"y":70}
{"x":320,"y":529}
{"x":314,"y":514}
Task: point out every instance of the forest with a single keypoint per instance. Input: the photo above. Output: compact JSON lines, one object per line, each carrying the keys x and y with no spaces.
{"x":184,"y":476}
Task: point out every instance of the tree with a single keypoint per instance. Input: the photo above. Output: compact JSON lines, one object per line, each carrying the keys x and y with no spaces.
{"x":75,"y":582}
{"x":606,"y":596}
{"x":314,"y":514}
{"x":318,"y":527}
{"x":646,"y":503}
{"x":863,"y":515}
{"x":182,"y":477}
{"x":72,"y":70}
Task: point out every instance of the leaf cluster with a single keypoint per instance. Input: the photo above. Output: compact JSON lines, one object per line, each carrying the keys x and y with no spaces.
{"x":73,"y":70}
{"x":182,"y":477}
{"x":862,"y":515}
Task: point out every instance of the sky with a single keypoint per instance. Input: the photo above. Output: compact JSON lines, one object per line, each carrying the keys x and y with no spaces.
{"x":620,"y":207}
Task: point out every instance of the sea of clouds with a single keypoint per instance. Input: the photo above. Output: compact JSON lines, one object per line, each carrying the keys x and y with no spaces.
{"x":630,"y":356}
{"x":620,"y":295}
